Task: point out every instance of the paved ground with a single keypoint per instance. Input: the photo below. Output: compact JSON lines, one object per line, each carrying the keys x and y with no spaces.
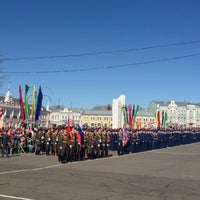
{"x":171,"y":173}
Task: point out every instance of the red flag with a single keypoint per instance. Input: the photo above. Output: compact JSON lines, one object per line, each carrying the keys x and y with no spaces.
{"x":130,"y":115}
{"x":21,"y":103}
{"x":68,"y":127}
{"x":158,"y":116}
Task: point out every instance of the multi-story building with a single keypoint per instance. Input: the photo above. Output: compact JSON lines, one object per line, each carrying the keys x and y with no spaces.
{"x":97,"y":118}
{"x":184,"y":114}
{"x":145,"y":119}
{"x":60,"y":115}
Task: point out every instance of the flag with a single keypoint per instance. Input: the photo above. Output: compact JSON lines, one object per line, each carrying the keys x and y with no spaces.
{"x":158,"y":118}
{"x":21,"y":103}
{"x":39,"y":104}
{"x":33,"y":102}
{"x":80,"y":136}
{"x":136,"y":111}
{"x":26,"y":101}
{"x":130,"y":115}
{"x":68,"y":127}
{"x":135,"y":114}
{"x":165,"y":119}
{"x":163,"y":115}
{"x":124,"y":110}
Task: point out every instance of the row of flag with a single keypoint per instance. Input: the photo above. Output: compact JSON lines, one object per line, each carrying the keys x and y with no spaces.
{"x":130,"y":114}
{"x":161,"y":118}
{"x":36,"y":103}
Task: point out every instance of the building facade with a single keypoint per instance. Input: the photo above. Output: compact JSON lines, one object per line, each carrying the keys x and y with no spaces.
{"x":145,"y":120}
{"x":60,"y":115}
{"x":97,"y":118}
{"x":11,"y":113}
{"x":184,"y":114}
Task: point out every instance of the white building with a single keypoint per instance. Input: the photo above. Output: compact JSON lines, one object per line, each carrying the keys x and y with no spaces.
{"x":59,"y":116}
{"x":185,"y":114}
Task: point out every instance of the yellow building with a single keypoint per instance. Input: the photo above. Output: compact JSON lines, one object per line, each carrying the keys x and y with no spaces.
{"x":97,"y":118}
{"x":144,"y":120}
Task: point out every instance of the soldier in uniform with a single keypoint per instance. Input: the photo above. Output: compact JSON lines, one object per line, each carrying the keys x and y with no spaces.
{"x":48,"y":140}
{"x":90,"y":145}
{"x":119,"y":147}
{"x":107,"y":142}
{"x":62,"y":146}
{"x":54,"y":142}
{"x":72,"y":145}
{"x":85,"y":143}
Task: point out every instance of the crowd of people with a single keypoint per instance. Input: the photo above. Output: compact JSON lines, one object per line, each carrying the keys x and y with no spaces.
{"x":79,"y":143}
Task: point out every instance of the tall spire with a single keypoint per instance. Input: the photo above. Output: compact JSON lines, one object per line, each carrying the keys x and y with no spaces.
{"x":8,"y":97}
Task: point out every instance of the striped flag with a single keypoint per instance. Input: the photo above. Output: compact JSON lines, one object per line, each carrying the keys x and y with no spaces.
{"x":26,"y":101}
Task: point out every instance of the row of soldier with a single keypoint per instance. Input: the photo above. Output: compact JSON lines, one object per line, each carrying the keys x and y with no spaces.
{"x":72,"y":146}
{"x":144,"y":140}
{"x":88,"y":143}
{"x":67,"y":146}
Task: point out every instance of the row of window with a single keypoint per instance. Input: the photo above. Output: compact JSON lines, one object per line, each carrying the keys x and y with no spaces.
{"x":92,"y":118}
{"x":64,"y":117}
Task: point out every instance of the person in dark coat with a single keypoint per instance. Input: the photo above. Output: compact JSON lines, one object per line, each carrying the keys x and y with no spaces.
{"x":6,"y":141}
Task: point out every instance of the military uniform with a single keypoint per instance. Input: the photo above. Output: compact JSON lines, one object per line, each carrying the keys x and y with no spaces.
{"x":72,"y":146}
{"x":48,"y":140}
{"x":37,"y":143}
{"x":62,"y":147}
{"x":54,"y":143}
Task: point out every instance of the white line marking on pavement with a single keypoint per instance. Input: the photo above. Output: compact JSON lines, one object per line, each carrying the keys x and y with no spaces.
{"x":48,"y":167}
{"x":29,"y":170}
{"x":16,"y":171}
{"x":13,"y":197}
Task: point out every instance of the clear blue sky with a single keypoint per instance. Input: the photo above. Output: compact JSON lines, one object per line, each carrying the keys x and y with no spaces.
{"x":37,"y":28}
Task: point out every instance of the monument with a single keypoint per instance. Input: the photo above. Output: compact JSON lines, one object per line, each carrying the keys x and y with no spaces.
{"x":117,"y":117}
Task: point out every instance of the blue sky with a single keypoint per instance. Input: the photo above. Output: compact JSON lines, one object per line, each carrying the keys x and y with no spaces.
{"x":37,"y":28}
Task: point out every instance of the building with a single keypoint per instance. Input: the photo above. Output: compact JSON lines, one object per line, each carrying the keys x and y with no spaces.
{"x":59,"y":116}
{"x":184,"y":114}
{"x":145,"y":120}
{"x":97,"y":118}
{"x":11,"y":113}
